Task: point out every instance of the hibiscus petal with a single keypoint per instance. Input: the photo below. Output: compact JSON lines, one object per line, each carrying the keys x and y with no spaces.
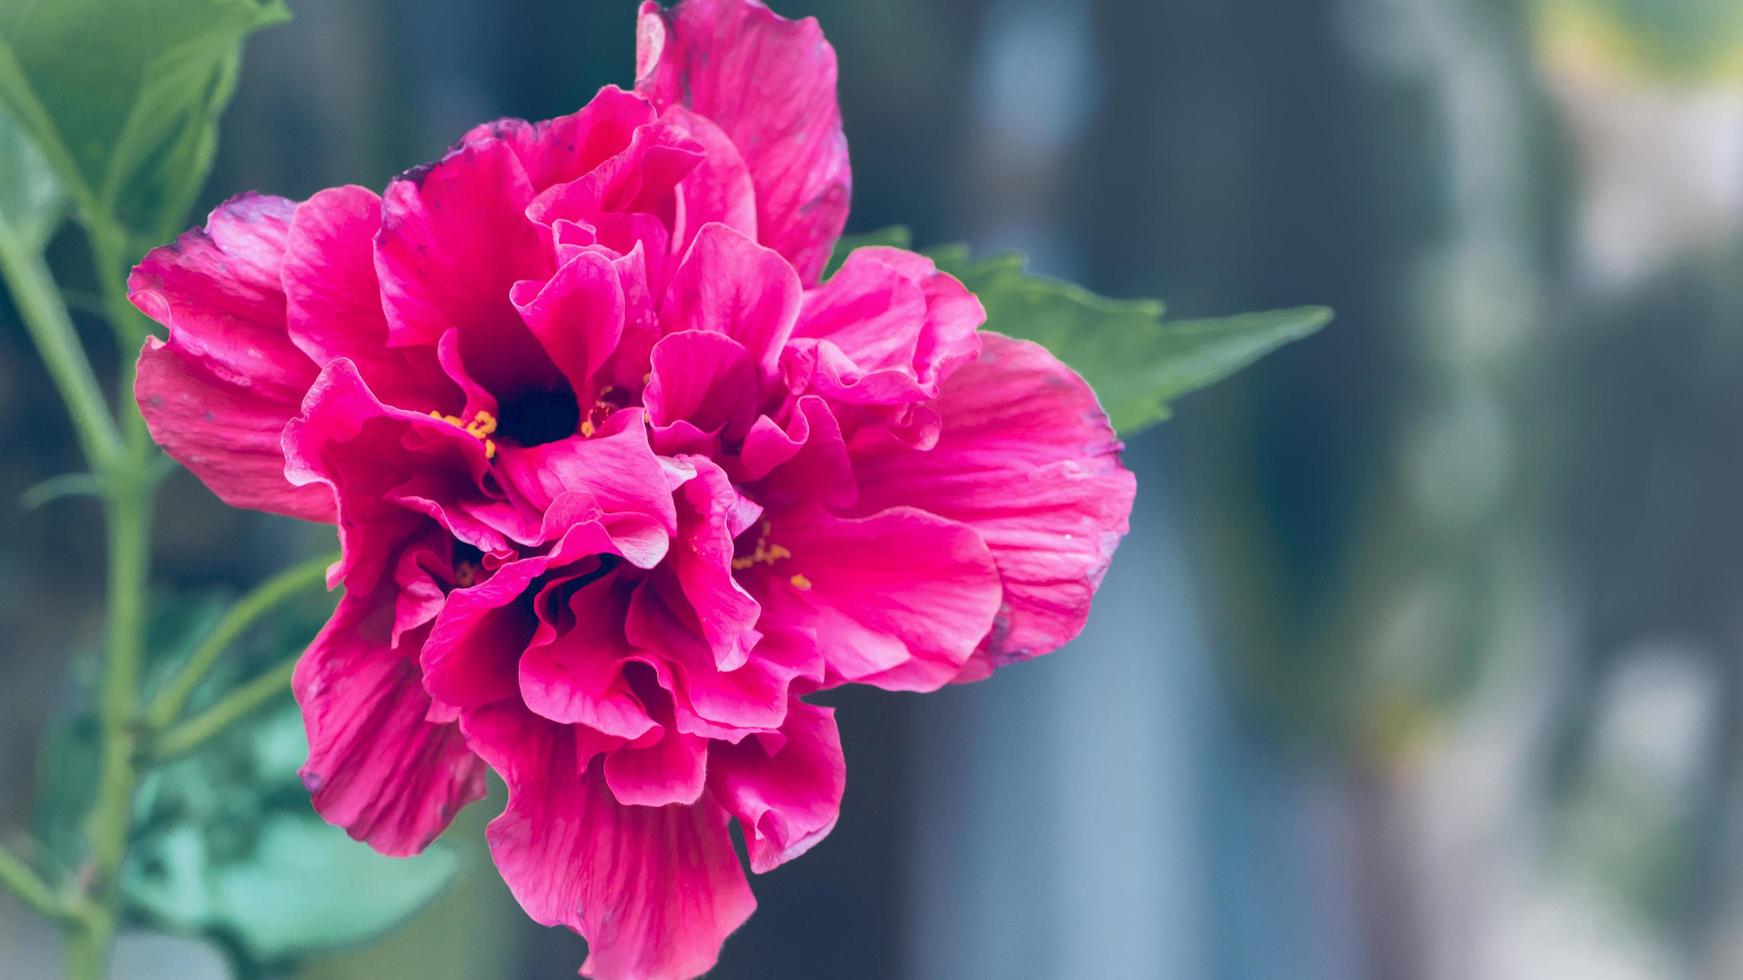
{"x":454,"y":240}
{"x":1026,"y":458}
{"x":702,"y":378}
{"x":568,"y":147}
{"x":576,"y":675}
{"x":729,"y":284}
{"x":806,"y":461}
{"x":642,"y":178}
{"x":576,"y":315}
{"x":655,"y":890}
{"x":769,"y":83}
{"x":899,"y":599}
{"x":381,"y":462}
{"x":712,"y":701}
{"x":471,"y":656}
{"x":785,"y":792}
{"x":217,"y":395}
{"x":671,"y":771}
{"x":616,"y":467}
{"x":719,"y":189}
{"x":885,"y":329}
{"x":333,"y":300}
{"x":712,"y":515}
{"x":377,"y":766}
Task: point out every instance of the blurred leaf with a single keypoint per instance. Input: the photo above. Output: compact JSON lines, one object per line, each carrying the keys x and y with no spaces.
{"x":231,"y":849}
{"x":67,"y":756}
{"x":32,"y":202}
{"x":225,"y":843}
{"x":1136,"y":363}
{"x":1659,"y":40}
{"x":896,"y":236}
{"x":123,"y":96}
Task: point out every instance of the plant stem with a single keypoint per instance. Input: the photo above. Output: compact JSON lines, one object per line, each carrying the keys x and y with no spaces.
{"x":130,"y":491}
{"x":30,"y":888}
{"x":233,"y":707}
{"x":51,"y":330}
{"x":245,"y":613}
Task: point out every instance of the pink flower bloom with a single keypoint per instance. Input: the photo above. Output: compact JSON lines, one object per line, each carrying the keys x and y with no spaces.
{"x":618,"y":481}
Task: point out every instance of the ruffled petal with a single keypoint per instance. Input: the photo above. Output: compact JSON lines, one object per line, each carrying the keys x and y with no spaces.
{"x":655,"y":890}
{"x":769,"y":83}
{"x":377,"y":765}
{"x":568,"y":147}
{"x":333,"y":300}
{"x":804,"y":461}
{"x":669,"y":771}
{"x":380,"y":462}
{"x":701,"y":384}
{"x":1027,"y":459}
{"x":574,"y":675}
{"x":723,"y":703}
{"x":729,"y":284}
{"x":454,"y":240}
{"x":614,"y":471}
{"x":884,"y":330}
{"x":643,"y":178}
{"x":899,"y":599}
{"x":719,"y":189}
{"x":218,"y":393}
{"x":785,"y":791}
{"x":577,"y":316}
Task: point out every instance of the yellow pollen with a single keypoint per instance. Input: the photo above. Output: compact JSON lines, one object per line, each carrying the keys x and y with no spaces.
{"x":801,"y":583}
{"x":482,"y":426}
{"x":763,"y":554}
{"x":601,"y":408}
{"x":465,"y":575}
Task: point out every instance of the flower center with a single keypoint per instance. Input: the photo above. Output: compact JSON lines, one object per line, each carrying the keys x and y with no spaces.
{"x":533,"y":418}
{"x":481,"y":427}
{"x":765,"y":552}
{"x":602,"y":408}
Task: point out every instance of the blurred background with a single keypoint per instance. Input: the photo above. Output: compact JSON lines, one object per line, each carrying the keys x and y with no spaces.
{"x":1424,"y":657}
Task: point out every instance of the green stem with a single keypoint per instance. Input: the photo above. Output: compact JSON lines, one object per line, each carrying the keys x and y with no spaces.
{"x":233,"y":707}
{"x":130,"y":491}
{"x":51,"y":330}
{"x":245,"y":613}
{"x":109,"y":253}
{"x":30,"y":888}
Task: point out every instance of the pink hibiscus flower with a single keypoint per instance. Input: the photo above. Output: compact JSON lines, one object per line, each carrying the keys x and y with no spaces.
{"x":619,"y":481}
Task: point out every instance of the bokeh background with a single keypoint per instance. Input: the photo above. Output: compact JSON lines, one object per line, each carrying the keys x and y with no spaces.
{"x":1425,"y":654}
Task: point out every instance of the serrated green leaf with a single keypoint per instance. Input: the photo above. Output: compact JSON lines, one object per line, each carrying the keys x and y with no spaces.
{"x":123,"y":96}
{"x":1137,"y":364}
{"x":896,"y":236}
{"x":32,"y":201}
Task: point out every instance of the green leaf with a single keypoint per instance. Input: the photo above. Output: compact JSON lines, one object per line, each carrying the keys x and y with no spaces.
{"x":230,"y":849}
{"x":896,"y":236}
{"x":1137,"y":364}
{"x":123,"y":96}
{"x":32,"y":201}
{"x":225,"y":843}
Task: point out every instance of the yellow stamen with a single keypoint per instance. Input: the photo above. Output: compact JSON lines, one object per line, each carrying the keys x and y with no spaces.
{"x":801,"y":583}
{"x":482,"y":426}
{"x":763,"y":554}
{"x":601,"y":409}
{"x":465,"y":575}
